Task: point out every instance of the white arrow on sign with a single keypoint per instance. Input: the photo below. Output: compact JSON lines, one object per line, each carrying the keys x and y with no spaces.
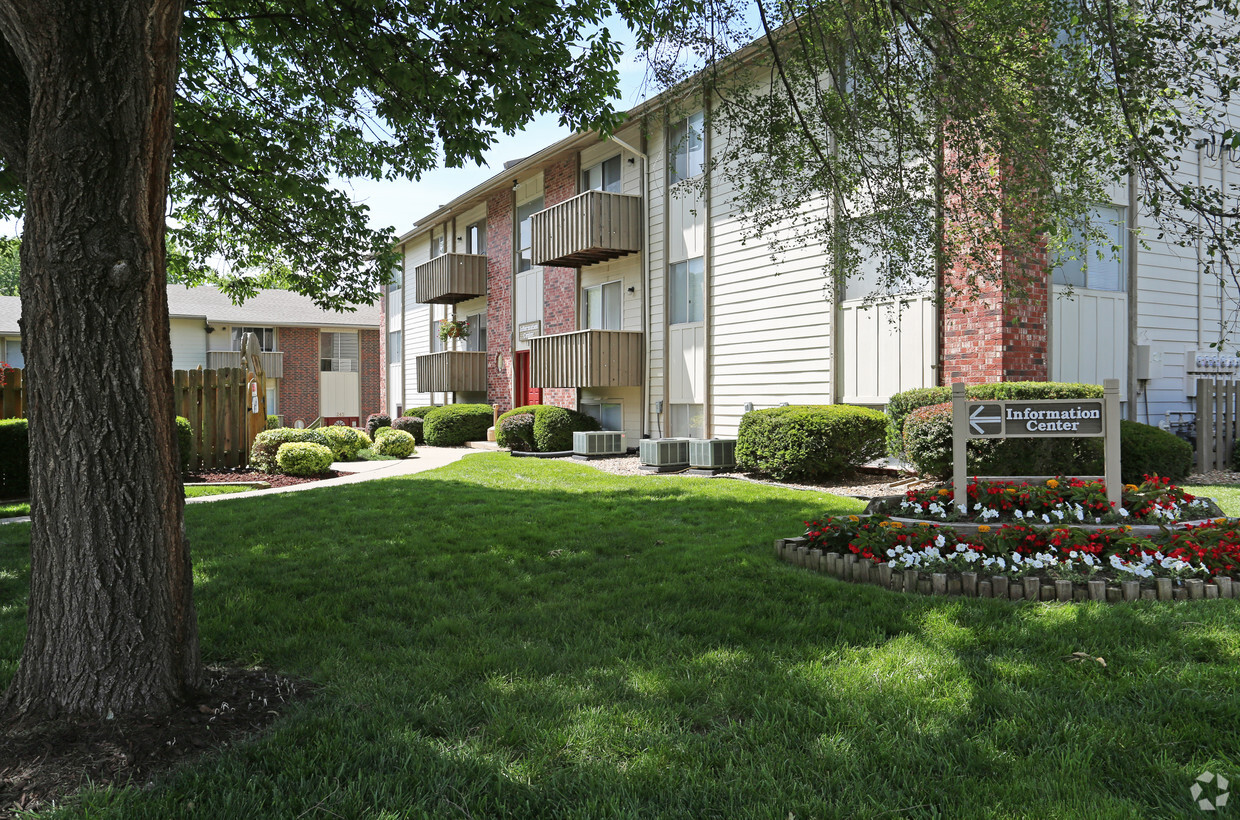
{"x":976,"y":419}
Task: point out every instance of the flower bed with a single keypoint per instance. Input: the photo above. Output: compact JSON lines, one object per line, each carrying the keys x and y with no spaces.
{"x":1023,"y":562}
{"x":1057,"y":501}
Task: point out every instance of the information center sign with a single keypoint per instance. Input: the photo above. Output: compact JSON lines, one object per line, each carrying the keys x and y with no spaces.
{"x":1058,"y":418}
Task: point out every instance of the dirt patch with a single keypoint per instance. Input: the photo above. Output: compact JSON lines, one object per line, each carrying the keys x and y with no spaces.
{"x":42,"y":765}
{"x":274,"y":479}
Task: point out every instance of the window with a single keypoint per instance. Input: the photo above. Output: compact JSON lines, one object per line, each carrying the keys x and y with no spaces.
{"x":688,"y":291}
{"x":477,"y":338}
{"x":1100,"y":265}
{"x":525,"y":235}
{"x":266,"y":337}
{"x":688,"y":420}
{"x":394,"y":347}
{"x":602,"y":177}
{"x":13,"y":353}
{"x":439,"y":245}
{"x":609,"y":415}
{"x":602,"y":306}
{"x":338,"y":352}
{"x":686,"y":149}
{"x":398,"y":275}
{"x":476,"y":237}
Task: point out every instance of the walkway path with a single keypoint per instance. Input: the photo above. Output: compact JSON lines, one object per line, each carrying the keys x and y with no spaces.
{"x":427,"y":458}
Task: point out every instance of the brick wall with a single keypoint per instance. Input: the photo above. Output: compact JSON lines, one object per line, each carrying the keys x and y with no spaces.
{"x":499,"y":298}
{"x":371,"y":366}
{"x":560,"y":284}
{"x":383,"y":356}
{"x":991,"y":328}
{"x":299,"y":388}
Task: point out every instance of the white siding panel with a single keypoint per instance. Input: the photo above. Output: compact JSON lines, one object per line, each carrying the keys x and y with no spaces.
{"x":882,"y":353}
{"x":189,"y":343}
{"x":1090,"y":336}
{"x":687,"y":363}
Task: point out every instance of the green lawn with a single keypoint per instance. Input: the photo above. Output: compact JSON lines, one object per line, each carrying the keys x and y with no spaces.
{"x":533,"y":639}
{"x":14,"y":509}
{"x":1226,"y":496}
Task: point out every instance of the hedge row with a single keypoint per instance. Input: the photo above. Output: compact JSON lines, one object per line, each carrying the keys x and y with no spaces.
{"x":1144,"y":450}
{"x":454,"y":424}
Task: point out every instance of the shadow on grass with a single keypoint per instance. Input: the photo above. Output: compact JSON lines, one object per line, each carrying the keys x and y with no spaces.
{"x":521,"y":639}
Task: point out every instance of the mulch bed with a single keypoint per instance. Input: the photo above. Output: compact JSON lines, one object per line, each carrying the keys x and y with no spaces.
{"x":274,"y":479}
{"x":43,"y":764}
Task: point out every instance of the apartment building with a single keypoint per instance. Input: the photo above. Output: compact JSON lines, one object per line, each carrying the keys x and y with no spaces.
{"x":318,"y":363}
{"x":595,"y":276}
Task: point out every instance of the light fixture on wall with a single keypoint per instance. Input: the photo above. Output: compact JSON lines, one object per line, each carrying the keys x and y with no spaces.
{"x":210,"y":329}
{"x":499,"y":362}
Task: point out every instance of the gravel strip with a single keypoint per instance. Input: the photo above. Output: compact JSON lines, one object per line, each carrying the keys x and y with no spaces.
{"x":1213,"y":477}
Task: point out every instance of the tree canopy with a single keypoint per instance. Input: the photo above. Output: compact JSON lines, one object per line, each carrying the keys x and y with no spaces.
{"x":983,"y":122}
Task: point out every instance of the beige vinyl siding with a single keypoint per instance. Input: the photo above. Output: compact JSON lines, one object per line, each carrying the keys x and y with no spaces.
{"x":189,"y":343}
{"x":771,"y":321}
{"x":630,"y":399}
{"x":657,"y":262}
{"x":415,"y":326}
{"x":627,"y":271}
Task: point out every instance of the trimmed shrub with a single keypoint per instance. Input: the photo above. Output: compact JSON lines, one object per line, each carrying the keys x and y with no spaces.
{"x":394,"y":443}
{"x":304,"y":458}
{"x":1144,"y":450}
{"x":553,"y":427}
{"x":809,"y":441}
{"x":273,"y":422}
{"x":376,"y":420}
{"x":267,"y":445}
{"x":383,"y":433}
{"x":901,"y":405}
{"x":185,"y":441}
{"x":454,"y":424}
{"x":345,"y":441}
{"x":14,"y":459}
{"x":517,"y":431}
{"x":420,"y":412}
{"x":411,"y":425}
{"x":1147,"y":450}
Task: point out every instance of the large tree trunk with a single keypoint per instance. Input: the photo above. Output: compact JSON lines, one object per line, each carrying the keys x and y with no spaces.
{"x":111,"y":626}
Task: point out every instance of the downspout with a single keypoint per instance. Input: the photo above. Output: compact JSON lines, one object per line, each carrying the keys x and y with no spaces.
{"x":1201,"y":267}
{"x":1131,"y":387}
{"x":645,"y":262}
{"x":708,"y":415}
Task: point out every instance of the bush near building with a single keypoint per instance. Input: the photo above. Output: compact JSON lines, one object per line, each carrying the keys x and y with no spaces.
{"x":553,"y":427}
{"x":267,"y":445}
{"x":346,"y":442}
{"x":394,"y":443}
{"x":1144,"y":450}
{"x":411,"y":425}
{"x":809,"y":441}
{"x":304,"y":458}
{"x":455,"y":424}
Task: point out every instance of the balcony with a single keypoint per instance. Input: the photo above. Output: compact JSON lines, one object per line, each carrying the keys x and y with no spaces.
{"x":450,"y":278}
{"x":452,"y":371}
{"x":587,"y":358}
{"x":592,"y":227}
{"x":273,"y":363}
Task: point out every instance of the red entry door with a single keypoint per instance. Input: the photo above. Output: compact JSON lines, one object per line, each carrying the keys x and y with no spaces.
{"x":521,"y":376}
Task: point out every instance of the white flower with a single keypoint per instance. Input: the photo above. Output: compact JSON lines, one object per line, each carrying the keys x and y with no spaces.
{"x":1046,"y":518}
{"x":940,"y":541}
{"x":1019,"y":514}
{"x":1123,"y":513}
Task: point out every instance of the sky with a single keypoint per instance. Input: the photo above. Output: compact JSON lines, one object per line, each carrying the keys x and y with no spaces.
{"x":399,"y":204}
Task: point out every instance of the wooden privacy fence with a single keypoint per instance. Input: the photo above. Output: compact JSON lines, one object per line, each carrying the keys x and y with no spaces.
{"x":214,"y":401}
{"x":1217,"y":405}
{"x":12,"y":394}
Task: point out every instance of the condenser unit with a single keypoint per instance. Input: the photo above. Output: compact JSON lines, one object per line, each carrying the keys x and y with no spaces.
{"x":598,"y":443}
{"x":663,"y":455}
{"x":712,"y":454}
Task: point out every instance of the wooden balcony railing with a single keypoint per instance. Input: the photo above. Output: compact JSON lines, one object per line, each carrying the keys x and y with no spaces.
{"x":590,"y":227}
{"x":450,"y":278}
{"x":587,"y":358}
{"x":273,"y":363}
{"x":455,"y":371}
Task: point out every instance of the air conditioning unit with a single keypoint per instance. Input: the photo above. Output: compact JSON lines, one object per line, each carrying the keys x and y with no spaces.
{"x":662,"y":455}
{"x":712,"y":454}
{"x":600,"y":443}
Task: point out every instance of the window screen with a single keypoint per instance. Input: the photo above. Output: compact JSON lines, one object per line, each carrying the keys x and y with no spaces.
{"x":686,"y":148}
{"x":338,"y":352}
{"x":1102,"y":264}
{"x":688,"y":291}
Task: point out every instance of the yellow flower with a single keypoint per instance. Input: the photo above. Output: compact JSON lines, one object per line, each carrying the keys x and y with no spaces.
{"x":1052,"y":483}
{"x":897,"y":525}
{"x":1126,"y":528}
{"x":945,"y":492}
{"x":1220,"y":521}
{"x":925,"y":524}
{"x":853,"y":519}
{"x":1131,"y":488}
{"x":884,"y":523}
{"x":983,"y":528}
{"x":1011,"y":491}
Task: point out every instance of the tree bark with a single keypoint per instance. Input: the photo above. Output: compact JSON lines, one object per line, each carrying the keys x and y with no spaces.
{"x":111,"y":626}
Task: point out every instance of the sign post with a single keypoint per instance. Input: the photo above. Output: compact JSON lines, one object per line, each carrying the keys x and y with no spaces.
{"x":1052,"y":418}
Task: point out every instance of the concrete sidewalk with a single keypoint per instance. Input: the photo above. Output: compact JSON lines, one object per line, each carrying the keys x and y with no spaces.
{"x":427,"y":458}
